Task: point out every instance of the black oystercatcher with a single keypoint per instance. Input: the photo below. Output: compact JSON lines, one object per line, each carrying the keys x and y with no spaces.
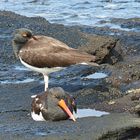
{"x":54,"y":104}
{"x":45,"y":54}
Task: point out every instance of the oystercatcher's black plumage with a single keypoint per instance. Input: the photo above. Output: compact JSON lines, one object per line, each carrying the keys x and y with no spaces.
{"x":54,"y":104}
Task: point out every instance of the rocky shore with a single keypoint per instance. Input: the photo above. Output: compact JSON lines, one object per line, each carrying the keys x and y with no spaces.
{"x":118,"y":56}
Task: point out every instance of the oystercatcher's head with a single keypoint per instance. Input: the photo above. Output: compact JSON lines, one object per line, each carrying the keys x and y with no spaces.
{"x":53,"y":102}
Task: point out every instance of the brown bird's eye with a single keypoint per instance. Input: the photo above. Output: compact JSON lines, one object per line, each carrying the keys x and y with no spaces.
{"x":24,"y":35}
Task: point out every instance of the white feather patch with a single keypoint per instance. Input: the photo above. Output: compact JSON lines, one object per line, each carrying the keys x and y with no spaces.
{"x":84,"y":63}
{"x":45,"y":70}
{"x":37,"y":117}
{"x":33,"y":96}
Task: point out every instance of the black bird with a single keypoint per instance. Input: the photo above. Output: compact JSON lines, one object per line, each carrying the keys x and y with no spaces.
{"x":54,"y":104}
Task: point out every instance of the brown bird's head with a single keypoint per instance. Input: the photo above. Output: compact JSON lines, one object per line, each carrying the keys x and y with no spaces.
{"x":21,"y":37}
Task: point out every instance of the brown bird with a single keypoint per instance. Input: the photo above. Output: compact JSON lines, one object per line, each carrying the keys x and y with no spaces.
{"x":45,"y":54}
{"x":54,"y":104}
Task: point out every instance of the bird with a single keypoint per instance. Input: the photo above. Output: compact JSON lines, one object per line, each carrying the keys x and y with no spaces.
{"x":45,"y":54}
{"x":54,"y":104}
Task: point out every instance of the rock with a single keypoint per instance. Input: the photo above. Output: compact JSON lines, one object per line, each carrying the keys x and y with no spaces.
{"x":100,"y":46}
{"x":137,"y":109}
{"x":127,"y":23}
{"x":16,"y":122}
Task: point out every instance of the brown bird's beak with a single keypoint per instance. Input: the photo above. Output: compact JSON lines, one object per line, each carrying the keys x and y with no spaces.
{"x":34,"y":38}
{"x":63,"y":105}
{"x":25,"y":35}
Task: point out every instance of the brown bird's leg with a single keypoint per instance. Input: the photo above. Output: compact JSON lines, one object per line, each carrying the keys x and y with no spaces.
{"x":46,"y":80}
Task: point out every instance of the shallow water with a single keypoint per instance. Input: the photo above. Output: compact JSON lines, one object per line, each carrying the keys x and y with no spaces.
{"x":96,"y":75}
{"x":28,"y":80}
{"x":75,"y":12}
{"x":81,"y":113}
{"x":21,"y":68}
{"x":16,"y":74}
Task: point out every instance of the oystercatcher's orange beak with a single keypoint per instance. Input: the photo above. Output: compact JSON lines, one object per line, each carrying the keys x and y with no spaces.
{"x":63,"y":105}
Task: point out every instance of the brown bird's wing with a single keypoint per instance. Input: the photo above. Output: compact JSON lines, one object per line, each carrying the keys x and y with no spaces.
{"x":49,"y":52}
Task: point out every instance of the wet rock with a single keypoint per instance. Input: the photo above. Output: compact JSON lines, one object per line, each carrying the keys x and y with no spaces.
{"x":137,"y":110}
{"x":125,"y":74}
{"x":127,"y":23}
{"x":93,"y":96}
{"x":16,"y":122}
{"x":135,"y":97}
{"x":102,"y":47}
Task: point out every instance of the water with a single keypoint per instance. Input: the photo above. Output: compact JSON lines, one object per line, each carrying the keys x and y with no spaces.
{"x":21,"y":68}
{"x":75,"y":12}
{"x":28,"y":80}
{"x":16,"y":75}
{"x":96,"y":75}
{"x":81,"y":113}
